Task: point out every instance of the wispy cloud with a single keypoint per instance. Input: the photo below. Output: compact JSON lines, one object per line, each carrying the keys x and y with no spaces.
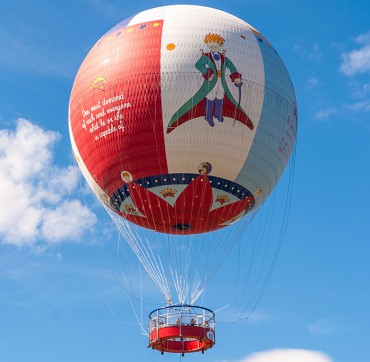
{"x":361,"y":90}
{"x":287,"y":355}
{"x":323,"y":327}
{"x":230,"y":315}
{"x":36,"y":196}
{"x":25,"y":54}
{"x":313,"y":83}
{"x":357,"y":60}
{"x":312,"y":51}
{"x":363,"y":106}
{"x":325,"y":114}
{"x":363,"y":38}
{"x":107,"y":8}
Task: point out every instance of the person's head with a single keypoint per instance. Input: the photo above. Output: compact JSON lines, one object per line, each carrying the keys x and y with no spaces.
{"x":126,"y":176}
{"x":214,"y":42}
{"x":204,"y":168}
{"x":105,"y":198}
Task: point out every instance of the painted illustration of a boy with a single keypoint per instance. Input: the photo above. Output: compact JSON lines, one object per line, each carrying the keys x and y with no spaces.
{"x":214,"y":99}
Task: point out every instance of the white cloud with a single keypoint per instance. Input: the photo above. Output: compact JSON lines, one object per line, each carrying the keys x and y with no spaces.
{"x":70,"y":219}
{"x":36,"y":203}
{"x":357,"y":60}
{"x":287,"y":355}
{"x":25,"y":152}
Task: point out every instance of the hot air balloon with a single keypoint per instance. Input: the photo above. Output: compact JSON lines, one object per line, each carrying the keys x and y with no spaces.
{"x":182,"y":120}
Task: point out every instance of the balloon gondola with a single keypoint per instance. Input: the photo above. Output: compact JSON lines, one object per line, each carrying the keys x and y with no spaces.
{"x":182,"y":120}
{"x":182,"y":329}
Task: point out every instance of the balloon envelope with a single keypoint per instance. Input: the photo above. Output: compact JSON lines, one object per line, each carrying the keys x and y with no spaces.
{"x":182,"y":119}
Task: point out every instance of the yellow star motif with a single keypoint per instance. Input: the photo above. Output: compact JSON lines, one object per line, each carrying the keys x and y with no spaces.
{"x":129,"y":30}
{"x":156,"y":24}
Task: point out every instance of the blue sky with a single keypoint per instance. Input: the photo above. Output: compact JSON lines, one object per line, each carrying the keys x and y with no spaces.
{"x":57,"y":305}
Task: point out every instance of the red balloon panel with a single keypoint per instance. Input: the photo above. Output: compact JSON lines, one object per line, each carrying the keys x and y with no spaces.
{"x":115,"y":111}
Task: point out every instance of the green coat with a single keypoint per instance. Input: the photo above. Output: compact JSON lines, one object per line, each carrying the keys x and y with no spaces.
{"x":195,"y":106}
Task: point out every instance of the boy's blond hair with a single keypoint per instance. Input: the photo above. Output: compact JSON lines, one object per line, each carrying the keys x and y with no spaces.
{"x":213,"y":38}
